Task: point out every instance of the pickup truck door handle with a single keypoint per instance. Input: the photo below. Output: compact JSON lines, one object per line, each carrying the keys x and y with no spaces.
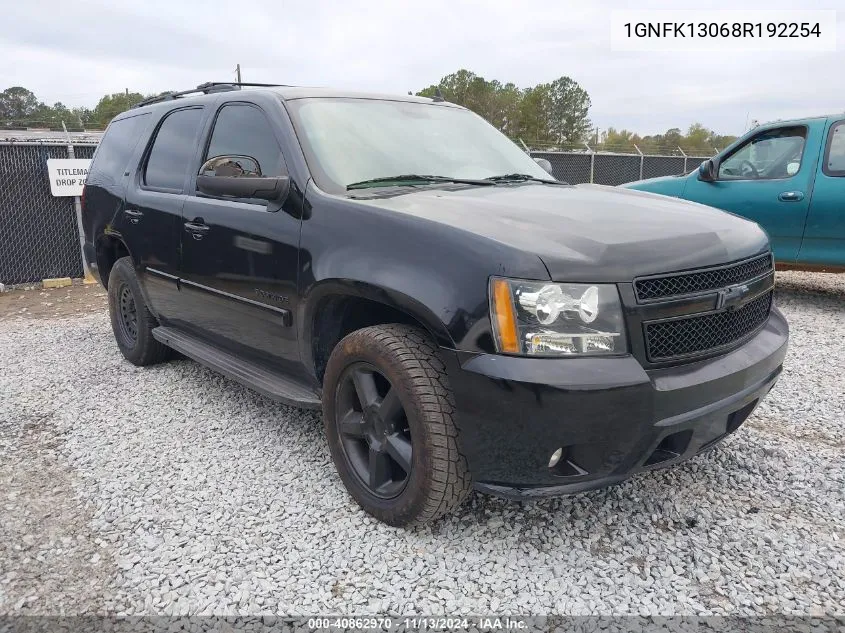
{"x":133,"y":214}
{"x":197,"y":228}
{"x":791,"y":196}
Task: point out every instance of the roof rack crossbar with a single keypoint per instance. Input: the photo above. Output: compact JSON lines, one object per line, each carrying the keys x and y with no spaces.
{"x":208,"y":84}
{"x":205,"y":88}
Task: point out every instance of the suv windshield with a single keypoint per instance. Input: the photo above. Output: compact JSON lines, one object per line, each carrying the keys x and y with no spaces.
{"x":349,"y":141}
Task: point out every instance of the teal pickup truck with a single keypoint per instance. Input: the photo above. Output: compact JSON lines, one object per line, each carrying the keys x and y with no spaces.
{"x":788,"y":176}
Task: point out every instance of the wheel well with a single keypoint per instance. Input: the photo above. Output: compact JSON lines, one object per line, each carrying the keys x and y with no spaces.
{"x":109,"y":250}
{"x":338,"y":316}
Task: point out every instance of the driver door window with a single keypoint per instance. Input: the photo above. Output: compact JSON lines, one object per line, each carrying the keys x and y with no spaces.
{"x":770,"y":155}
{"x":243,"y":130}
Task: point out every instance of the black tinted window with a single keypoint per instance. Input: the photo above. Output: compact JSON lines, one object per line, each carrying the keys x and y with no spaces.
{"x":244,"y":131}
{"x":173,"y":149}
{"x":116,"y":148}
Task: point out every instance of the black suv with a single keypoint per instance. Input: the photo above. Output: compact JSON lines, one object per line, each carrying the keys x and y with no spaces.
{"x":463,"y":319}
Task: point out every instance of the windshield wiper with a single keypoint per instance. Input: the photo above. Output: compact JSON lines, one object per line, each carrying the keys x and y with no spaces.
{"x":409,"y":180}
{"x":523,"y":178}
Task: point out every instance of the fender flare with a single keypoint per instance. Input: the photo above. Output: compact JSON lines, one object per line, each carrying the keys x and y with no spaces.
{"x":340,"y":287}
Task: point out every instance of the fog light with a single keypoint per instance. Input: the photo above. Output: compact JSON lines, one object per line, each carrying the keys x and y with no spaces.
{"x":555,"y":458}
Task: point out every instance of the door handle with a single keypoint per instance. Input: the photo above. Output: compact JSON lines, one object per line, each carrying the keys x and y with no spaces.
{"x":791,"y":196}
{"x":133,"y":214}
{"x":197,"y":228}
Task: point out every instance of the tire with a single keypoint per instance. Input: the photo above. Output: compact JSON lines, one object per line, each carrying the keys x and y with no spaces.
{"x":136,"y":343}
{"x":406,"y":372}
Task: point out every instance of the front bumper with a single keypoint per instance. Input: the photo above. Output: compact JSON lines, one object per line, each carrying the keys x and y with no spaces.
{"x":611,"y":417}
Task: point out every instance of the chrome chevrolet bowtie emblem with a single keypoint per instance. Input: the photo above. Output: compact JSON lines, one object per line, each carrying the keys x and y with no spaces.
{"x":731,"y":298}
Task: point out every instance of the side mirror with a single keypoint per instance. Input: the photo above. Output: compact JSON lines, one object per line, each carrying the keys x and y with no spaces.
{"x":707,"y":170}
{"x":240,"y":177}
{"x":546,"y":165}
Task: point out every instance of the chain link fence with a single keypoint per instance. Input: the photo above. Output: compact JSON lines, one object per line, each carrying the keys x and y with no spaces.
{"x":39,"y":238}
{"x":577,"y":167}
{"x":38,"y":234}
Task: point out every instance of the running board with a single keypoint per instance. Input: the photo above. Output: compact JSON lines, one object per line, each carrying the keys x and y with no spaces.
{"x":266,"y":382}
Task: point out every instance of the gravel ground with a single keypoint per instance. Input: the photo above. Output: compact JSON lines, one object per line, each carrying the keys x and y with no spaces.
{"x":171,"y":490}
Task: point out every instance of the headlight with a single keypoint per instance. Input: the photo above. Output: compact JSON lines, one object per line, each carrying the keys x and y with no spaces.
{"x":538,"y":318}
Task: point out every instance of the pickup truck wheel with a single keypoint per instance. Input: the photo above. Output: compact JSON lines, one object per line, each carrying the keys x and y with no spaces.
{"x":131,"y":321}
{"x":388,"y":414}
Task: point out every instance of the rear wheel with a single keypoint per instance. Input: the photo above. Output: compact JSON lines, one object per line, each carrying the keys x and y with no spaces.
{"x":131,"y":321}
{"x":388,"y":414}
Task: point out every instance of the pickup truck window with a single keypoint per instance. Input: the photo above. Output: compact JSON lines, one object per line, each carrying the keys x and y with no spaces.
{"x":173,"y":149}
{"x":243,"y":130}
{"x":353,"y":140}
{"x":834,"y":158}
{"x":770,"y":155}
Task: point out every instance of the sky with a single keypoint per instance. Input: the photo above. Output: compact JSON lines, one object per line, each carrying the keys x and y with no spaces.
{"x":75,"y":52}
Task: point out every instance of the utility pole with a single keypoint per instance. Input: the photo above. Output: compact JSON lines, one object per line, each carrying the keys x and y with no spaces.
{"x":77,"y":207}
{"x":238,"y":72}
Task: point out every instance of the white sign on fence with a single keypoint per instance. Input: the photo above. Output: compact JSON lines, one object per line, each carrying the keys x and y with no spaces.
{"x":67,"y":175}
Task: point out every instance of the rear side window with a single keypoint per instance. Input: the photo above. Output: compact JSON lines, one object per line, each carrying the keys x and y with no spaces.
{"x":116,"y":148}
{"x":243,"y":130}
{"x":173,"y":148}
{"x":834,"y":158}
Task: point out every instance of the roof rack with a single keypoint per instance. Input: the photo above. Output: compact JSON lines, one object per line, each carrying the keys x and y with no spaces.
{"x":205,"y":88}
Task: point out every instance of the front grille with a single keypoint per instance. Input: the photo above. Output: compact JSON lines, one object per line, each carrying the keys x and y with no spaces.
{"x":702,"y":280}
{"x":666,"y":340}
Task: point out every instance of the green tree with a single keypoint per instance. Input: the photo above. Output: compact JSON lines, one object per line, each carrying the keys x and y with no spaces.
{"x":18,"y":103}
{"x":508,"y":99}
{"x":620,"y":140}
{"x":569,"y":107}
{"x":672,"y":138}
{"x":534,"y":114}
{"x":496,"y":102}
{"x":53,"y":116}
{"x":666,"y":143}
{"x":471,"y":91}
{"x":697,"y":138}
{"x":457,"y":88}
{"x":111,"y":105}
{"x":84,"y":115}
{"x":554,"y":112}
{"x":721,"y":141}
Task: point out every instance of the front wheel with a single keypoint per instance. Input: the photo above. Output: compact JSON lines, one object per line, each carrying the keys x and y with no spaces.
{"x":388,"y":412}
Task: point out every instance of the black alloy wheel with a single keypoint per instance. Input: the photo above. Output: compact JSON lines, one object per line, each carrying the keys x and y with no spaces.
{"x":374,"y":432}
{"x":388,"y":413}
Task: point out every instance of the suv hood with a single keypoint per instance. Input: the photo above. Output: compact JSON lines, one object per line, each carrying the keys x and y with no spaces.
{"x":588,"y":232}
